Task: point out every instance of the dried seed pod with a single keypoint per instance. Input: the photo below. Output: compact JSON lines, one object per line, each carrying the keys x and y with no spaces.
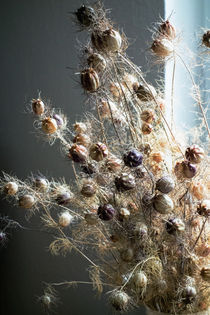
{"x":147,"y":115}
{"x":89,"y":168}
{"x":41,"y":183}
{"x":124,"y":213}
{"x":49,"y":125}
{"x":59,"y":120}
{"x":140,"y":279}
{"x":174,"y":225}
{"x":133,"y":158}
{"x":106,"y":212}
{"x":204,"y":208}
{"x":127,"y":254}
{"x":198,"y":190}
{"x":162,"y":47}
{"x":88,"y":188}
{"x":108,"y":41}
{"x":63,"y":198}
{"x":98,"y":151}
{"x":163,"y":204}
{"x":46,"y":300}
{"x":194,"y":154}
{"x":78,"y":153}
{"x":125,"y":182}
{"x":91,"y":218}
{"x":119,"y":300}
{"x":140,"y":230}
{"x":11,"y":188}
{"x":165,"y":184}
{"x":206,"y":39}
{"x":90,"y":80}
{"x":65,"y":218}
{"x":85,"y":15}
{"x":146,"y":92}
{"x":97,"y":62}
{"x":189,"y":170}
{"x":82,"y":139}
{"x":38,"y":106}
{"x":147,"y":199}
{"x":146,"y":128}
{"x":205,"y":273}
{"x":27,"y":201}
{"x":189,"y":294}
{"x":80,"y":127}
{"x":113,"y":164}
{"x":157,"y":157}
{"x":167,"y":29}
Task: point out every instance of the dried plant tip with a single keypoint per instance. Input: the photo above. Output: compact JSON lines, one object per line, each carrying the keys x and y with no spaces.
{"x":11,"y":188}
{"x":204,"y":208}
{"x":106,"y":212}
{"x":174,"y":225}
{"x":194,"y":154}
{"x":165,"y":184}
{"x":113,"y":164}
{"x":38,"y":106}
{"x":98,"y":151}
{"x":63,"y":198}
{"x":97,"y":62}
{"x":146,"y":128}
{"x":133,"y":158}
{"x":78,"y":153}
{"x":162,"y":47}
{"x":27,"y":201}
{"x":65,"y":218}
{"x":205,"y":273}
{"x":125,"y":182}
{"x":85,"y":15}
{"x":167,"y":29}
{"x":59,"y":120}
{"x":206,"y":39}
{"x":41,"y":183}
{"x":88,"y":188}
{"x":163,"y":204}
{"x":108,"y":41}
{"x":147,"y":115}
{"x":90,"y":80}
{"x":119,"y":300}
{"x":82,"y":139}
{"x":91,"y":218}
{"x":80,"y":127}
{"x":145,"y":92}
{"x":189,"y":170}
{"x":140,"y":279}
{"x":49,"y":125}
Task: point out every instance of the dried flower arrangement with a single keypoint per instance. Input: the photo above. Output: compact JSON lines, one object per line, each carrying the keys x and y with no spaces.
{"x":141,"y":198}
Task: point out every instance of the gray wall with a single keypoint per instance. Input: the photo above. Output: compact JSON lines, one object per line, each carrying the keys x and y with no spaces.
{"x":38,"y":43}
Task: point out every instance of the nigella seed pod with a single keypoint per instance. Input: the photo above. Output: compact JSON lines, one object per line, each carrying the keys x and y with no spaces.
{"x":147,"y":199}
{"x":88,"y":188}
{"x":163,"y":204}
{"x":204,"y":208}
{"x":189,"y":170}
{"x":174,"y":225}
{"x":88,"y":169}
{"x":140,"y":230}
{"x":59,"y":120}
{"x":65,"y":218}
{"x":124,"y":213}
{"x":206,"y":39}
{"x":46,"y":300}
{"x":147,"y":115}
{"x":205,"y":273}
{"x":133,"y":158}
{"x":80,"y":127}
{"x":108,"y":41}
{"x":125,"y":182}
{"x":78,"y":153}
{"x":85,"y":15}
{"x":63,"y":198}
{"x":119,"y":300}
{"x":162,"y":47}
{"x":189,"y":294}
{"x":113,"y":164}
{"x":146,"y":128}
{"x":106,"y":212}
{"x":49,"y":125}
{"x":146,"y":92}
{"x":165,"y":184}
{"x":98,"y":151}
{"x":82,"y":139}
{"x":11,"y":188}
{"x":41,"y":183}
{"x":97,"y":62}
{"x":140,"y":279}
{"x":194,"y":154}
{"x":167,"y":29}
{"x":38,"y":106}
{"x":27,"y":201}
{"x":90,"y":80}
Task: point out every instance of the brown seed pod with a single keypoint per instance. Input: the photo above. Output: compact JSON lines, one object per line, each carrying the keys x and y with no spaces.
{"x":90,"y":80}
{"x":38,"y":106}
{"x":189,"y":170}
{"x":113,"y":164}
{"x":80,"y":127}
{"x":27,"y":201}
{"x":206,"y":39}
{"x":157,"y":157}
{"x":205,"y":273}
{"x":146,"y":92}
{"x":11,"y":188}
{"x":174,"y":225}
{"x":41,"y":183}
{"x":147,"y":116}
{"x":98,"y":151}
{"x":65,"y":218}
{"x":204,"y":208}
{"x":162,"y":47}
{"x":108,"y":41}
{"x":88,"y":188}
{"x":165,"y":184}
{"x":167,"y":29}
{"x":163,"y":203}
{"x":78,"y":153}
{"x":64,"y":198}
{"x":97,"y":62}
{"x":140,"y":279}
{"x":146,"y":128}
{"x":194,"y":154}
{"x":49,"y":125}
{"x":82,"y":139}
{"x":125,"y":182}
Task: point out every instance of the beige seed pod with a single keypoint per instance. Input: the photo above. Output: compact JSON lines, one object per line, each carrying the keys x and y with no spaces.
{"x":119,"y":300}
{"x":146,"y":128}
{"x":162,"y":47}
{"x":98,"y":151}
{"x":167,"y":29}
{"x":90,"y":80}
{"x":82,"y":139}
{"x":97,"y":62}
{"x":145,"y":92}
{"x":147,"y":116}
{"x":88,"y":188}
{"x":205,"y":273}
{"x":163,"y":204}
{"x":108,"y":41}
{"x":65,"y":218}
{"x":27,"y":201}
{"x":11,"y":188}
{"x":38,"y":106}
{"x":80,"y":127}
{"x":49,"y":125}
{"x":124,"y":213}
{"x":140,"y":279}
